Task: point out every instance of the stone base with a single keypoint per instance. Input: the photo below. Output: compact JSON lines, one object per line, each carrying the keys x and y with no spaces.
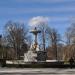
{"x":41,"y":56}
{"x":30,"y":56}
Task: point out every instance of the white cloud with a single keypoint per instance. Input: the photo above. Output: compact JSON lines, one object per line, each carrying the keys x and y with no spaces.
{"x":35,"y":21}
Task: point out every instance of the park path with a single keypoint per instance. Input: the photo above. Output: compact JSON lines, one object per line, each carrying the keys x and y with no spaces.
{"x":36,"y":71}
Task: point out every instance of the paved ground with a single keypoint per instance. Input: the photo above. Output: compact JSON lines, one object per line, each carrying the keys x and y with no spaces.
{"x":38,"y":71}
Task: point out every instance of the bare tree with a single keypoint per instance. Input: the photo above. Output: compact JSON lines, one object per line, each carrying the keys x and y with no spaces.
{"x":43,"y":37}
{"x":54,"y":38}
{"x":16,"y":36}
{"x":70,"y":34}
{"x":69,"y":50}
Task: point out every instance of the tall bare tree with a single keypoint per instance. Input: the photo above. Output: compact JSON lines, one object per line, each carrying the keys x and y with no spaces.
{"x":70,"y":34}
{"x":54,"y":38}
{"x":43,"y":37}
{"x":16,"y":36}
{"x":69,"y":49}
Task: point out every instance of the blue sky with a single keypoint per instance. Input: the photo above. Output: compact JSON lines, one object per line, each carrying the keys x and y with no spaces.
{"x":61,"y":13}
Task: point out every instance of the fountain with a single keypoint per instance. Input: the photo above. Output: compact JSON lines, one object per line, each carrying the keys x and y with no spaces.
{"x":31,"y":55}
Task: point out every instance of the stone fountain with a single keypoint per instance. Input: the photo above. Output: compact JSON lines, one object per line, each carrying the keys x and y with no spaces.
{"x":31,"y":55}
